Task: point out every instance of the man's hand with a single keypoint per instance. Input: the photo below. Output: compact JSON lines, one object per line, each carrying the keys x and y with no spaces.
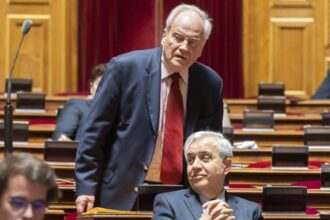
{"x":84,"y":203}
{"x":217,"y":210}
{"x":63,"y":137}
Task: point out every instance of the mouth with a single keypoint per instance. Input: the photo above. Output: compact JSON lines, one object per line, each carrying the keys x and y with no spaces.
{"x":181,"y":57}
{"x":197,"y":177}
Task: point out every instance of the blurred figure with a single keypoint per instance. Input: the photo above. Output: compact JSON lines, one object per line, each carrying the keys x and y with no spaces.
{"x":209,"y":157}
{"x":70,"y":120}
{"x":27,"y":184}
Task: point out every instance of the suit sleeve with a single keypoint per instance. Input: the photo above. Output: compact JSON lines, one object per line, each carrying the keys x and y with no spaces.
{"x":97,"y":132}
{"x":258,"y":214}
{"x":68,"y":121}
{"x":162,"y":209}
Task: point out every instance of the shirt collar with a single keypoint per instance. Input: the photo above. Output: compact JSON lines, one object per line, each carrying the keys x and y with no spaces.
{"x":166,"y":72}
{"x":204,"y":199}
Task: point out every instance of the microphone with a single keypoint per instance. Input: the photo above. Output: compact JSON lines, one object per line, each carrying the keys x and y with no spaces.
{"x":8,"y":143}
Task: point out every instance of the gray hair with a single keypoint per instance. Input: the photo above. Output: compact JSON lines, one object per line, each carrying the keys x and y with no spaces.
{"x":222,"y":144}
{"x":207,"y":25}
{"x":32,"y":169}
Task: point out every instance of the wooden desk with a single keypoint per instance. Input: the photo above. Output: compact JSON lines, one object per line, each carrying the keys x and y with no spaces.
{"x":149,"y":216}
{"x":38,"y":133}
{"x":37,"y":149}
{"x":278,"y":136}
{"x":26,"y":116}
{"x":267,"y":176}
{"x":284,"y":122}
{"x":306,"y":106}
{"x":140,"y":216}
{"x":52,"y":102}
{"x":264,"y":153}
{"x":316,"y":198}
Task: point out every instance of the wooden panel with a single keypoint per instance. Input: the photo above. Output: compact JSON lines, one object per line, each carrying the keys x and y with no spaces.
{"x":283,"y":3}
{"x":33,"y":59}
{"x":28,"y":1}
{"x":291,"y":54}
{"x":49,"y":51}
{"x":285,"y":40}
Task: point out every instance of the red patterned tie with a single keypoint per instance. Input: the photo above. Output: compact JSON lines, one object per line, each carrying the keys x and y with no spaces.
{"x":171,"y":166}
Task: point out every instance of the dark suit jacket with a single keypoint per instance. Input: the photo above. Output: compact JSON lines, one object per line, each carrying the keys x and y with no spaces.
{"x":71,"y":118}
{"x":185,"y":204}
{"x":120,"y":133}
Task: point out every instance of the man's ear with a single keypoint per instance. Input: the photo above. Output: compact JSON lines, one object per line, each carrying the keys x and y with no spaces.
{"x":227,"y":163}
{"x":164,"y":36}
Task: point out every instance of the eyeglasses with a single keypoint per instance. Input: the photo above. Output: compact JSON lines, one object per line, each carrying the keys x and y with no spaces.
{"x":20,"y":204}
{"x":180,"y":39}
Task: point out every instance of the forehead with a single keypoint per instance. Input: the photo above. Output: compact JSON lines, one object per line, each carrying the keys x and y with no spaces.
{"x":18,"y":185}
{"x":188,"y":22}
{"x":206,"y":144}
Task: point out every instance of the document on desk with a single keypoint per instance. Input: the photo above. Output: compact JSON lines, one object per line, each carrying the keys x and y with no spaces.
{"x":99,"y":210}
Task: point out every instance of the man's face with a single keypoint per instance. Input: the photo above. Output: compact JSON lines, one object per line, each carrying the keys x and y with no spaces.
{"x":206,"y":170}
{"x":183,"y":43}
{"x":23,"y":200}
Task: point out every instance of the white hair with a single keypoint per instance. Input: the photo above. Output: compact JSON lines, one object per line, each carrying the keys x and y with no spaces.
{"x":207,"y":25}
{"x":220,"y":142}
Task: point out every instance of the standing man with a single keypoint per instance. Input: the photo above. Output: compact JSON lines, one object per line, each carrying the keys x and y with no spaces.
{"x":147,"y":103}
{"x":209,"y":156}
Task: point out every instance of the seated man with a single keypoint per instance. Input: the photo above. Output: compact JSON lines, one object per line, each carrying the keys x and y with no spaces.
{"x":208,"y":155}
{"x":74,"y":112}
{"x":27,"y":185}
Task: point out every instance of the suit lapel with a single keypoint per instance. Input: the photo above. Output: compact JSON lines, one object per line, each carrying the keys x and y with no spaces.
{"x":233,"y":203}
{"x":193,"y":101}
{"x":152,"y":86}
{"x":192,"y":202}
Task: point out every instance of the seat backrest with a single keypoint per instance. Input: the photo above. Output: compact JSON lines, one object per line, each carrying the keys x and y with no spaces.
{"x":60,"y":151}
{"x":289,"y":156}
{"x":284,"y":199}
{"x":275,"y":103}
{"x":18,"y":84}
{"x":272,"y":89}
{"x":326,"y":117}
{"x":20,"y":131}
{"x":317,"y":136}
{"x":258,"y":119}
{"x":147,"y":193}
{"x":30,"y":100}
{"x":325,"y":176}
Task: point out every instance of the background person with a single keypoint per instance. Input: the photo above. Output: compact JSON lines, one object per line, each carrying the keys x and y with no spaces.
{"x":209,"y":156}
{"x":70,"y":120}
{"x":27,"y":185}
{"x":125,"y":140}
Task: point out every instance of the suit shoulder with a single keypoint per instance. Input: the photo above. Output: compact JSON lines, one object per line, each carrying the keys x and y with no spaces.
{"x":173,"y":195}
{"x":137,"y":55}
{"x":246,"y":202}
{"x":205,"y":71}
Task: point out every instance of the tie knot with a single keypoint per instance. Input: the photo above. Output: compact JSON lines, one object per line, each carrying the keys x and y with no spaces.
{"x":175,"y":77}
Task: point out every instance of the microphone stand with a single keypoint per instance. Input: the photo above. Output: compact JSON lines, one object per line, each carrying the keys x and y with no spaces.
{"x":8,"y":143}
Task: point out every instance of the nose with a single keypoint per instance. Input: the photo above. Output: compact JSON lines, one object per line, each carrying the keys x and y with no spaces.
{"x":28,"y":213}
{"x":184,"y":45}
{"x":196,"y":164}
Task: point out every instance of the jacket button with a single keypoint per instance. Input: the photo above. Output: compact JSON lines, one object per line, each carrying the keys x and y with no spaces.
{"x":136,"y":189}
{"x":145,"y":167}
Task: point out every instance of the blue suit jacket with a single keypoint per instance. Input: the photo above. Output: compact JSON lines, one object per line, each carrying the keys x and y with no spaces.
{"x":71,"y":118}
{"x":120,"y":133}
{"x":185,"y":204}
